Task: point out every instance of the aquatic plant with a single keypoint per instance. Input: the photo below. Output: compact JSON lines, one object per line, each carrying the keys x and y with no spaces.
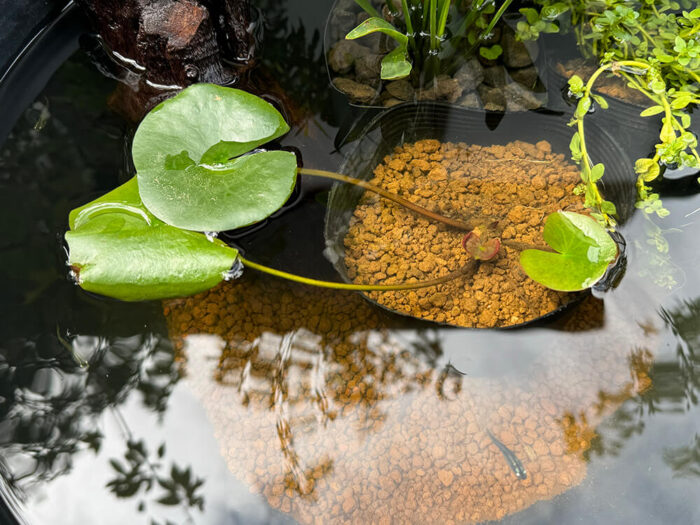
{"x":583,"y":252}
{"x":120,"y":249}
{"x":196,"y":165}
{"x":430,"y":32}
{"x":677,"y":146}
{"x":198,"y":171}
{"x":654,"y":47}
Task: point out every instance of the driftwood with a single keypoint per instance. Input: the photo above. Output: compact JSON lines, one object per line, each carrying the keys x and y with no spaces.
{"x":159,"y":46}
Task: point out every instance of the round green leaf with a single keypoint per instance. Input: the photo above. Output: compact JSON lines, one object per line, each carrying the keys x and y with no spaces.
{"x":187,"y":154}
{"x":119,"y":249}
{"x":584,"y":252}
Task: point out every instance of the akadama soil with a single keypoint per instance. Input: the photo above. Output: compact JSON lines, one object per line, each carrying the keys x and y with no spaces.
{"x":516,"y":185}
{"x":335,"y":418}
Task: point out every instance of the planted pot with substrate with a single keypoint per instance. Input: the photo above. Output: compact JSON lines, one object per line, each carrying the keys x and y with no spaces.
{"x":625,"y":105}
{"x":467,"y":76}
{"x":143,"y":239}
{"x":500,"y":185}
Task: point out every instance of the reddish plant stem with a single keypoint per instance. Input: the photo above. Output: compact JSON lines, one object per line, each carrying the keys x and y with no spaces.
{"x":466,"y":226}
{"x":462,"y":225}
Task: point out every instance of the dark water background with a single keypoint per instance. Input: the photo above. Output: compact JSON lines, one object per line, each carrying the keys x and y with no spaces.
{"x":87,"y":382}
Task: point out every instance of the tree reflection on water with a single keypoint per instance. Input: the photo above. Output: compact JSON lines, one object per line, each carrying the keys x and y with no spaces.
{"x":676,"y":384}
{"x":55,"y":390}
{"x":367,"y":413}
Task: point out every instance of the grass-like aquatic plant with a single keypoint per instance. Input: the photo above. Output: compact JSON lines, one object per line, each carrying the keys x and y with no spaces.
{"x":198,"y":170}
{"x":429,"y":33}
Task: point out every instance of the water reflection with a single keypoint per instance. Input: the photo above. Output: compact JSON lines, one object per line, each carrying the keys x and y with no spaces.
{"x":685,"y":461}
{"x":89,"y":389}
{"x":325,"y":406}
{"x":334,"y":412}
{"x":55,"y":389}
{"x":140,"y":472}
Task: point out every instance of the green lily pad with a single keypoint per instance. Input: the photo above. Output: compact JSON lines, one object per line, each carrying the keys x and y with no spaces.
{"x":187,"y":154}
{"x":584,"y":252}
{"x":121,"y":250}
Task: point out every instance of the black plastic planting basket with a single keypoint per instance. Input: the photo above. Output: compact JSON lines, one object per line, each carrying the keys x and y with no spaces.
{"x":342,"y":18}
{"x":622,"y":118}
{"x":411,"y":122}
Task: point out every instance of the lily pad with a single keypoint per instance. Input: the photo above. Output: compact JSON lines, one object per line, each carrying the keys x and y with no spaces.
{"x":583,"y":252}
{"x":188,"y":158}
{"x":121,"y":250}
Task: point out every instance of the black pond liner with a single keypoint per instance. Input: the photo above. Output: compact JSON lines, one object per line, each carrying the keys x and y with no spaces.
{"x":408,"y":123}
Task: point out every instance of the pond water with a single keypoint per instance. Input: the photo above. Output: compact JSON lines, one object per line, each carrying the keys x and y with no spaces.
{"x":267,"y":402}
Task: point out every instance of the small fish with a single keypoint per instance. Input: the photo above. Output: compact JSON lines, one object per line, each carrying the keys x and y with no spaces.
{"x":44,"y":114}
{"x":451,"y":370}
{"x":511,"y":458}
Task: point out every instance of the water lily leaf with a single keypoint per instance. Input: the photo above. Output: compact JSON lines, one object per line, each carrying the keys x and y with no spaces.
{"x":187,"y":154}
{"x":242,"y":191}
{"x":121,"y":250}
{"x":584,"y":252}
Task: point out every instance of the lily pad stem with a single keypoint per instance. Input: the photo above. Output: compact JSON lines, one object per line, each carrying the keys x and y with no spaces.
{"x":388,"y":195}
{"x":467,"y":269}
{"x":522,"y":246}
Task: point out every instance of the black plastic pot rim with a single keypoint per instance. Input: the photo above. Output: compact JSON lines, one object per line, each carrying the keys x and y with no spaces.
{"x":23,"y":80}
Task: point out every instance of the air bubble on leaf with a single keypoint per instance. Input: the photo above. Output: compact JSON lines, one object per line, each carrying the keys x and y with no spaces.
{"x":74,"y":274}
{"x":236,"y":271}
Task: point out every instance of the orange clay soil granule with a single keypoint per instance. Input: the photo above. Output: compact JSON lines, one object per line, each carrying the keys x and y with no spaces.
{"x":516,"y":186}
{"x":318,"y":405}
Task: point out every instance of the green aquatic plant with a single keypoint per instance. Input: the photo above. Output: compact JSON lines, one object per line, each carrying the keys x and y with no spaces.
{"x":427,"y":32}
{"x":120,"y":249}
{"x":664,"y":29}
{"x":583,"y":252}
{"x":677,"y":145}
{"x":195,"y":165}
{"x":654,"y":46}
{"x":144,"y":239}
{"x":197,"y":171}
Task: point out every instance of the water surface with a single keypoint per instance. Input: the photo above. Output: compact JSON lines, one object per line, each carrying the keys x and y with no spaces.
{"x":267,"y":402}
